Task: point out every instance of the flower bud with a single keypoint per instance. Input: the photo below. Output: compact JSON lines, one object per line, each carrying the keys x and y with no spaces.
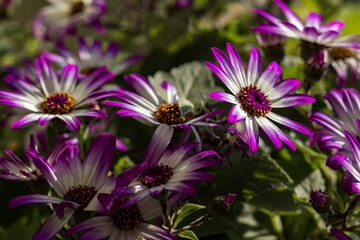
{"x":320,"y":201}
{"x":220,"y":206}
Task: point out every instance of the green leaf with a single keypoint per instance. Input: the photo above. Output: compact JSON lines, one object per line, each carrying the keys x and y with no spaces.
{"x":186,"y":210}
{"x":188,"y":235}
{"x":194,"y":82}
{"x":122,"y":164}
{"x":315,"y":181}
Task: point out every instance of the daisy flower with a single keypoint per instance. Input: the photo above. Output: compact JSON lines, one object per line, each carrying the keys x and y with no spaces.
{"x":313,"y":34}
{"x":50,"y":98}
{"x":147,"y":104}
{"x":62,"y":17}
{"x":123,"y":222}
{"x":345,"y":104}
{"x":76,"y":182}
{"x":91,"y":56}
{"x":16,"y":169}
{"x":28,"y":72}
{"x":254,"y":94}
{"x":171,"y":170}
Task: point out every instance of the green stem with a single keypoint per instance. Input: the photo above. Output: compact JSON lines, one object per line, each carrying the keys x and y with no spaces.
{"x":195,"y":223}
{"x":278,"y":226}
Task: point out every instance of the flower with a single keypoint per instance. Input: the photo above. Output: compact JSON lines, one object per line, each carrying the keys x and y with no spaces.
{"x":220,"y":206}
{"x":344,"y":103}
{"x":50,"y":98}
{"x":16,"y":169}
{"x":320,"y":201}
{"x":314,"y":35}
{"x":90,"y":57}
{"x":28,"y":72}
{"x":76,"y":182}
{"x":123,"y":222}
{"x":171,"y":170}
{"x":342,"y":60}
{"x":255,"y":95}
{"x":147,"y":104}
{"x":62,"y":17}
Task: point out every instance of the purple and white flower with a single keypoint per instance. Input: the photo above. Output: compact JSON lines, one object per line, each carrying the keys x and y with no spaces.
{"x":345,"y":104}
{"x":91,"y":56}
{"x":16,"y":169}
{"x":76,"y":182}
{"x":147,"y":104}
{"x":313,"y":31}
{"x":63,"y":17}
{"x":27,"y":72}
{"x":50,"y":98}
{"x":170,"y":170}
{"x":255,"y":93}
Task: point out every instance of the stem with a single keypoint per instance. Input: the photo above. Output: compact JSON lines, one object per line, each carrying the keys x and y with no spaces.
{"x":195,"y":223}
{"x":278,"y":227}
{"x":164,"y":208}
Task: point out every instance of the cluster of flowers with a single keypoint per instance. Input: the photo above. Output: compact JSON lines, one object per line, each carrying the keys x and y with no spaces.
{"x":125,"y":203}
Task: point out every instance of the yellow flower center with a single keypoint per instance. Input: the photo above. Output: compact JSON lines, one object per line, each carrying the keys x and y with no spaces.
{"x":58,"y":103}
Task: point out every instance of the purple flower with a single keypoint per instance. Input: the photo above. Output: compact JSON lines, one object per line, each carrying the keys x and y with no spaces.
{"x":255,"y":94}
{"x":50,"y":98}
{"x":345,"y":104}
{"x":124,"y":222}
{"x":76,"y":182}
{"x":171,"y":170}
{"x":220,"y":206}
{"x":312,"y":32}
{"x":352,"y":165}
{"x":28,"y":72}
{"x":91,"y":56}
{"x":147,"y":104}
{"x":16,"y":169}
{"x":63,"y":17}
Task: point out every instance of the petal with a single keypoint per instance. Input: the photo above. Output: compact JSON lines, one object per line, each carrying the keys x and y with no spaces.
{"x":236,"y":63}
{"x":270,"y":131}
{"x":290,"y":15}
{"x":143,"y":87}
{"x":32,"y":117}
{"x":254,"y":66}
{"x":289,"y":123}
{"x":224,"y":77}
{"x":292,"y":100}
{"x":69,"y":78}
{"x":314,"y":20}
{"x":172,"y":94}
{"x":355,"y":146}
{"x":252,"y":133}
{"x":33,"y":198}
{"x":236,"y":114}
{"x":224,"y":97}
{"x":158,"y":143}
{"x":282,"y":88}
{"x":71,"y":120}
{"x":269,"y":77}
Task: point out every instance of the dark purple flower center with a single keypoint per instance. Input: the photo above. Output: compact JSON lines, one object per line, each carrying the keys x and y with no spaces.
{"x":341,"y":52}
{"x":58,"y":103}
{"x":127,"y":218}
{"x":254,"y":101}
{"x":156,"y":175}
{"x":81,"y":194}
{"x":169,"y":113}
{"x":76,"y":7}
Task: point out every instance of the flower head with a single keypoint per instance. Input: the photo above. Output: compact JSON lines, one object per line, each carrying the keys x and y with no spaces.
{"x":255,"y":94}
{"x":148,"y":104}
{"x":90,"y":57}
{"x":50,"y":98}
{"x":62,"y":17}
{"x":171,"y":170}
{"x":313,"y":34}
{"x":76,"y":182}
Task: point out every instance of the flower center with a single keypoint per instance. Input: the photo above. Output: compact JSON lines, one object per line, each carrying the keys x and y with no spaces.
{"x":127,"y":218}
{"x":81,"y":194}
{"x":156,"y":175}
{"x":254,"y":101}
{"x":76,"y":7}
{"x":341,"y":52}
{"x":86,"y":70}
{"x":169,"y":113}
{"x":58,"y":103}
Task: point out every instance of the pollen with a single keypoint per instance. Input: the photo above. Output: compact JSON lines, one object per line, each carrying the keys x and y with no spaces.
{"x":81,"y":194}
{"x":127,"y":218}
{"x":156,"y":175}
{"x":58,"y":103}
{"x":169,"y":113}
{"x":254,"y":101}
{"x":77,"y":7}
{"x":341,"y":53}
